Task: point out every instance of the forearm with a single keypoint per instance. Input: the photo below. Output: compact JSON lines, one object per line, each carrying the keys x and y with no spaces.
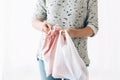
{"x":84,"y":32}
{"x":36,"y":24}
{"x":79,"y":33}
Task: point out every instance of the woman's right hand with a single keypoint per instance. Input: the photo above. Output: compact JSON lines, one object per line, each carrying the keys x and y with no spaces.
{"x":41,"y":25}
{"x":46,"y":27}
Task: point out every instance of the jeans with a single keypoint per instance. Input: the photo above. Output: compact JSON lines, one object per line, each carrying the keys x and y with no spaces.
{"x":43,"y":74}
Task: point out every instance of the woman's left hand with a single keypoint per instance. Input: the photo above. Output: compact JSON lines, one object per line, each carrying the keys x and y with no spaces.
{"x":80,"y":33}
{"x":71,"y":32}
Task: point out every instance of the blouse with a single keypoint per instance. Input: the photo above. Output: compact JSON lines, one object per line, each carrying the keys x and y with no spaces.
{"x":75,"y":14}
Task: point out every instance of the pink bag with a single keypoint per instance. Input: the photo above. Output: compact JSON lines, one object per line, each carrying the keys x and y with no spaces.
{"x":49,"y":49}
{"x":61,"y":58}
{"x":67,"y":62}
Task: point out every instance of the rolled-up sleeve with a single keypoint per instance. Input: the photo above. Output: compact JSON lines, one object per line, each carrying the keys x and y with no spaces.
{"x":92,"y":19}
{"x":40,"y":10}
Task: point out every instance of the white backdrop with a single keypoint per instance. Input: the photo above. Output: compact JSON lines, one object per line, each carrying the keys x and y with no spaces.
{"x":19,"y":42}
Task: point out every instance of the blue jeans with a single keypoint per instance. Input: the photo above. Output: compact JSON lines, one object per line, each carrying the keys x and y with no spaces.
{"x":43,"y":74}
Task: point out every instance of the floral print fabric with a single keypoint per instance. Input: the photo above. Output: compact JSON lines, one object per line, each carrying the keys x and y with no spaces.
{"x":70,"y":14}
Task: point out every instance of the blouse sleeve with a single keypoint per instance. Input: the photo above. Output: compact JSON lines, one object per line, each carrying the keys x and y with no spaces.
{"x":92,"y":20}
{"x":40,"y":10}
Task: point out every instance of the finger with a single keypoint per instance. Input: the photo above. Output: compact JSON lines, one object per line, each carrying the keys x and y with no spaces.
{"x":46,"y":30}
{"x":68,"y":30}
{"x":63,"y":34}
{"x":49,"y":26}
{"x":45,"y":24}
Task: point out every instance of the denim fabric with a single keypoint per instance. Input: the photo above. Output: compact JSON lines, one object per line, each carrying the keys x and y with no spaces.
{"x":42,"y":70}
{"x":43,"y":74}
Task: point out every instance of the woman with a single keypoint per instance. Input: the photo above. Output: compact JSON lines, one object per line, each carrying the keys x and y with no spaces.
{"x":78,"y":17}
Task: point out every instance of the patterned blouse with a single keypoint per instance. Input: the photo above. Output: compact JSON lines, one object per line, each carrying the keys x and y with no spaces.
{"x":70,"y":14}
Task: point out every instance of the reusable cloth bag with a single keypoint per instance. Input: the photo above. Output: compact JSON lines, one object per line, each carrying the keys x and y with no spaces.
{"x":49,"y":48}
{"x":61,"y":58}
{"x":67,"y":62}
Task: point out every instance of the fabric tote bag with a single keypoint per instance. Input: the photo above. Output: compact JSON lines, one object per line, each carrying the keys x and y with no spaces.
{"x":67,"y":62}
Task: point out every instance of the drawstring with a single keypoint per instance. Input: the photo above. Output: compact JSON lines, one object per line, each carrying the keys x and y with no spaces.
{"x":53,"y":28}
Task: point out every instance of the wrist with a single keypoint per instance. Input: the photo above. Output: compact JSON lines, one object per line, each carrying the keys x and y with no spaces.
{"x":75,"y":33}
{"x":84,"y":32}
{"x":78,"y":33}
{"x":41,"y":25}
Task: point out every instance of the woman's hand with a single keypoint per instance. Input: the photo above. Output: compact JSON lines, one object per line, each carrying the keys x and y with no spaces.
{"x":80,"y":33}
{"x":41,"y":25}
{"x":71,"y":32}
{"x":46,"y":27}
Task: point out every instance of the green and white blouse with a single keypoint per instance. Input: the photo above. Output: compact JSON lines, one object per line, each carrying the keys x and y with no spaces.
{"x":70,"y":14}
